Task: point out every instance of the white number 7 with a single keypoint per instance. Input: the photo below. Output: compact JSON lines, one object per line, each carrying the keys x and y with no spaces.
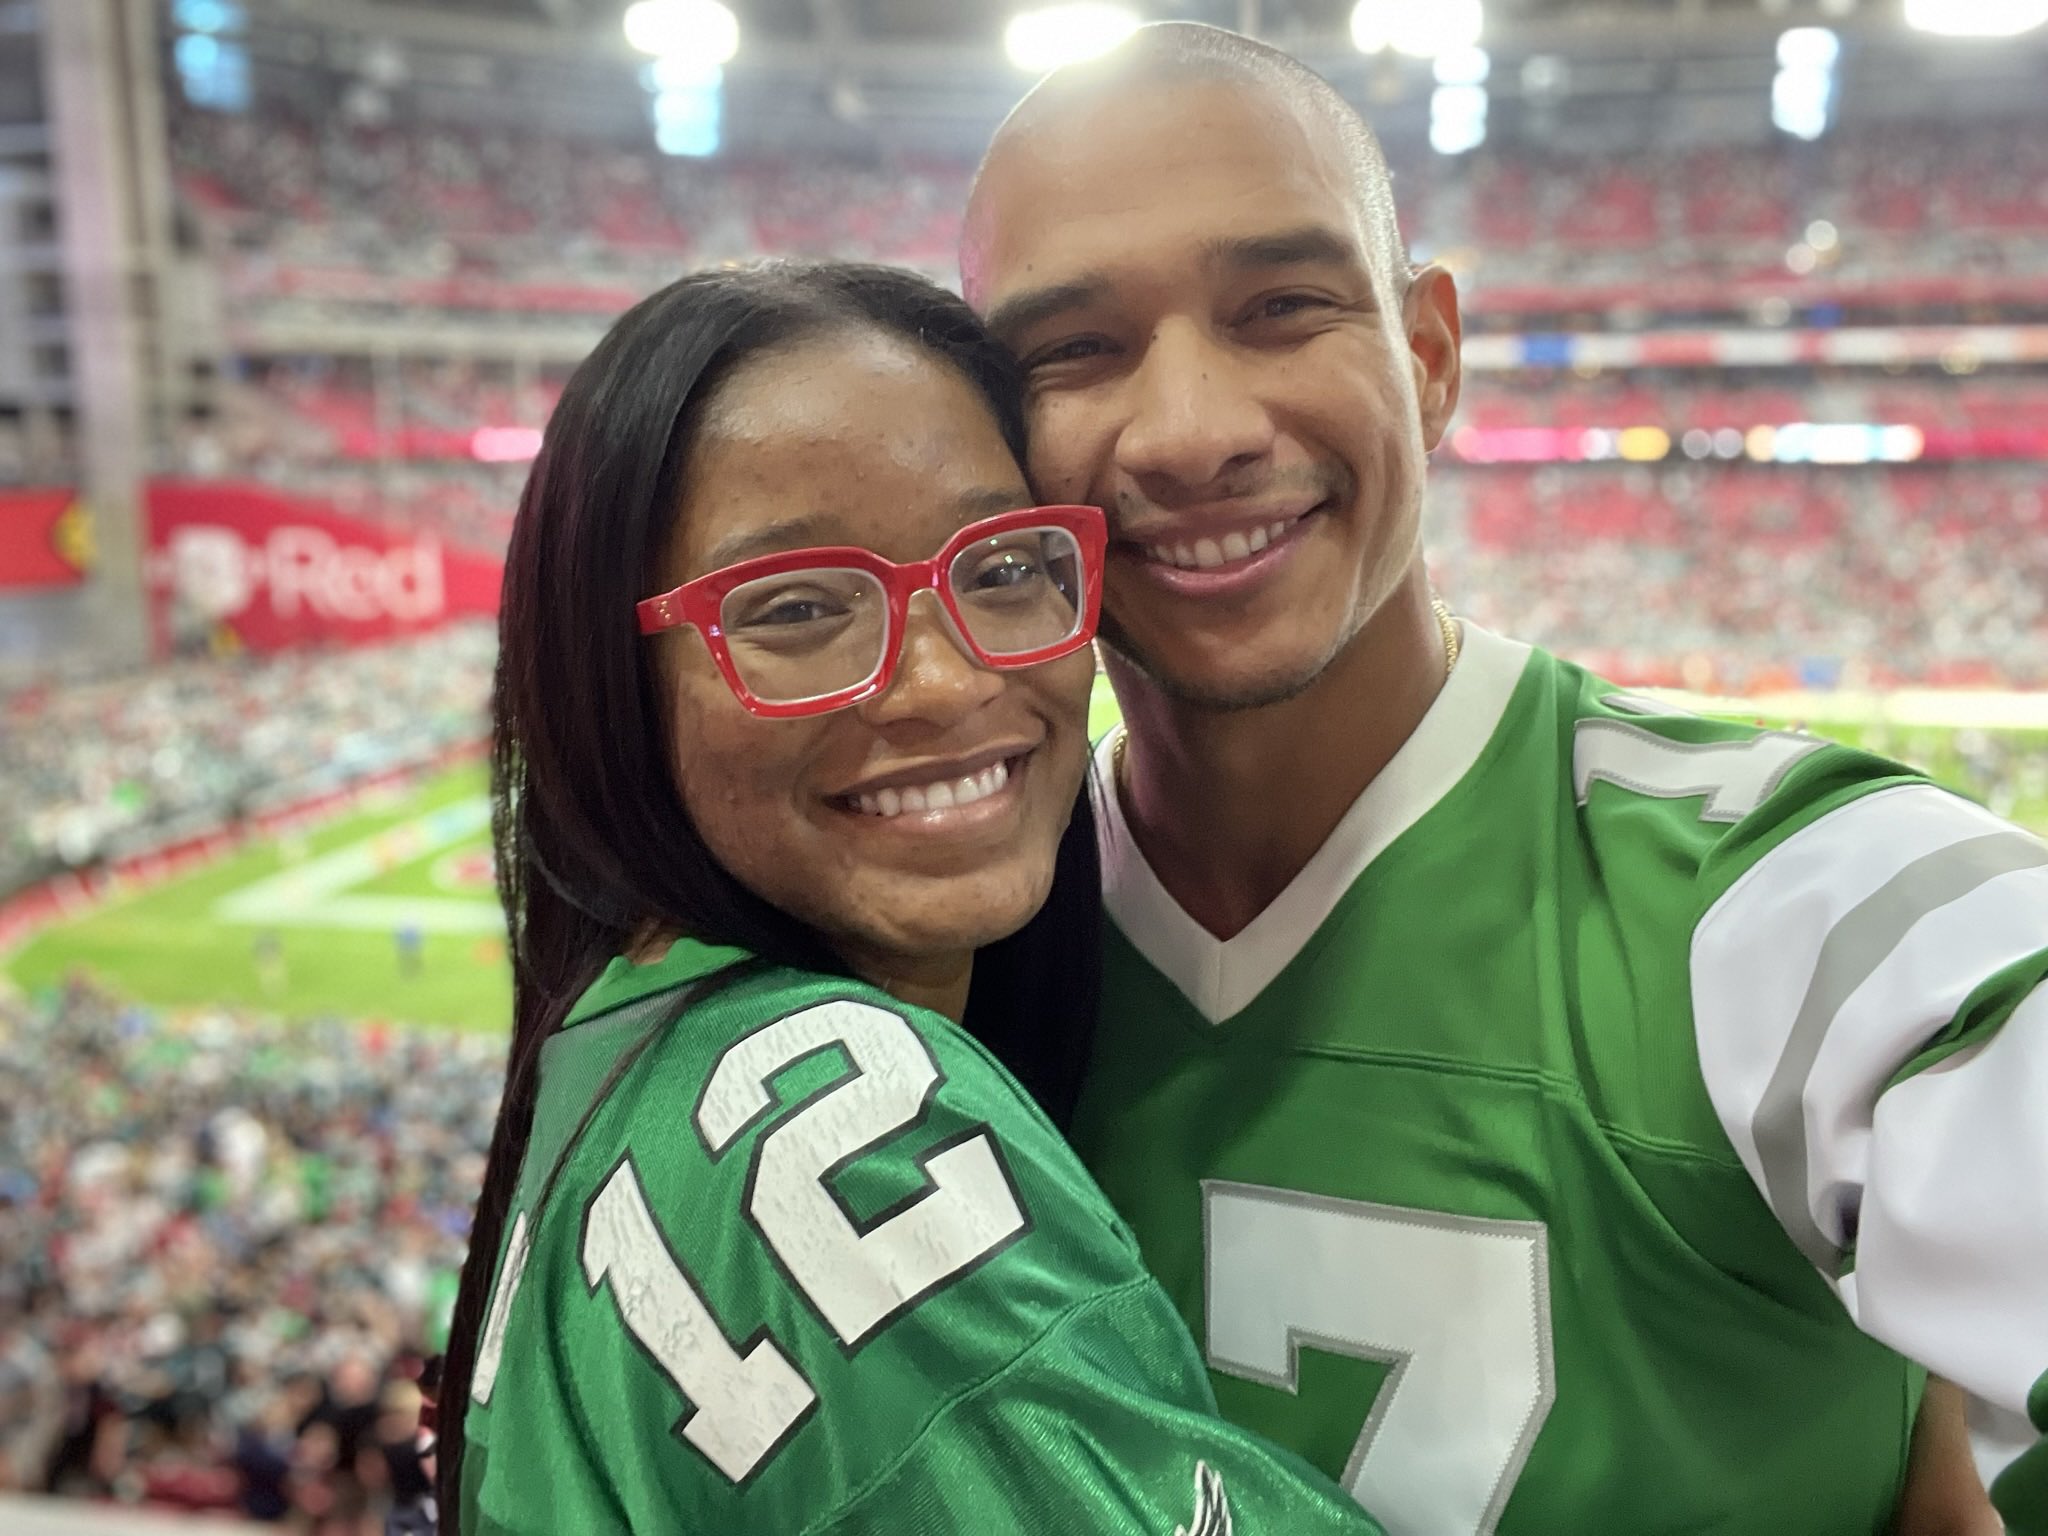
{"x":1460,"y":1307}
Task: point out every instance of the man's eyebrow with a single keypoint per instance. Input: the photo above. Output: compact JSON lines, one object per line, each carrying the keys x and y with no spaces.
{"x":1311,"y":244}
{"x":1034,"y":306}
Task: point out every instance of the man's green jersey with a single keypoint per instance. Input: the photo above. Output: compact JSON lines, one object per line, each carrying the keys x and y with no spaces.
{"x":787,"y":1256}
{"x":1592,"y":1133}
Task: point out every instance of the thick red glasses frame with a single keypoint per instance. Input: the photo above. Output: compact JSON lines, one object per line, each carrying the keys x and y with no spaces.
{"x":699,"y":603}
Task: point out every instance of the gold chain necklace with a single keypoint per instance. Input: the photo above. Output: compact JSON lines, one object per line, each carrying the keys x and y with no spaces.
{"x":1453,"y":641}
{"x":1447,"y":626}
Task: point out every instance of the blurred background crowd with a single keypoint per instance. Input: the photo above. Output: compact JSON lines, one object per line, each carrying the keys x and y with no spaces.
{"x":101,"y":770}
{"x":230,"y":1243}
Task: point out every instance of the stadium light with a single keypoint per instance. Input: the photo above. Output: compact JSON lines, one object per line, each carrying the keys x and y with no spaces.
{"x":1976,"y":18}
{"x":1808,"y":48}
{"x":208,"y":15}
{"x":1457,"y":118}
{"x":1044,"y":39}
{"x":1803,"y":93}
{"x":702,"y":31}
{"x":1463,"y":66}
{"x":1420,"y":31}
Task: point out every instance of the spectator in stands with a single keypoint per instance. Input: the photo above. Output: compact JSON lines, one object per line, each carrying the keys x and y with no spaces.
{"x":206,"y":1310}
{"x":100,"y":770}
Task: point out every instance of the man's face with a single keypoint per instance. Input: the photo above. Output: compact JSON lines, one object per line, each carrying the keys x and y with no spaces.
{"x":1184,"y":272}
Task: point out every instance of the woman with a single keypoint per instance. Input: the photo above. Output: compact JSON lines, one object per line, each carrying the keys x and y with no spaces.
{"x":790,"y":726}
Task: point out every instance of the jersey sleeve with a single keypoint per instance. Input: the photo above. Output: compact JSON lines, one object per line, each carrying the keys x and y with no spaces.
{"x":2020,"y":1492}
{"x":1873,"y":1029}
{"x":837,"y":1274}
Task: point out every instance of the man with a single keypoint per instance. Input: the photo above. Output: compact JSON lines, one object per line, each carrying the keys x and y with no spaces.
{"x":1551,"y":1113}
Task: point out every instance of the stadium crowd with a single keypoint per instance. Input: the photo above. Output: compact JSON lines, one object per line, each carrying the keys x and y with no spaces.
{"x":1763,"y":576}
{"x":456,"y":211}
{"x":98,"y":770}
{"x":230,"y":1242}
{"x":460,"y":218}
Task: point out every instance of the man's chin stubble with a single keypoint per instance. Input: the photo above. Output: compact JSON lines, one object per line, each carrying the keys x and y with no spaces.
{"x":1255,"y":693}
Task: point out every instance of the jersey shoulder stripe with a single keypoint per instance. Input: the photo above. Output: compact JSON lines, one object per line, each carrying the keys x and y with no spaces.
{"x":1840,"y":955}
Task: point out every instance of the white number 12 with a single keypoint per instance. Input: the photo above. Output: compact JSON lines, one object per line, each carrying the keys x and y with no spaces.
{"x":1460,"y":1307}
{"x":856,"y":1275}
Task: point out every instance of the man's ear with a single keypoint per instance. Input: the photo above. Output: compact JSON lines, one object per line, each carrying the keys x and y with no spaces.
{"x":1434,"y":333}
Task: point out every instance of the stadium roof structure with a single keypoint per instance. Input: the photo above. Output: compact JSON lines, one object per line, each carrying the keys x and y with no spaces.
{"x":931,"y":76}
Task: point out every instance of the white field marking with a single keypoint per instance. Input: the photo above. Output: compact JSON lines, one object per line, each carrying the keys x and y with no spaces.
{"x":309,"y":895}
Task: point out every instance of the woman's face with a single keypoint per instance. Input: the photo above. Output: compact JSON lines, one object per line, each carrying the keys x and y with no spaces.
{"x":864,"y":440}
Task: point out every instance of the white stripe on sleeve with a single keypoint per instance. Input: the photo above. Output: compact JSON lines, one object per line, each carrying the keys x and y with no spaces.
{"x":1821,"y":972}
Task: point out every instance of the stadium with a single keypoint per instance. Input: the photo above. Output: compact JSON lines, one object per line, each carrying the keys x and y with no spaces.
{"x":1754,"y":419}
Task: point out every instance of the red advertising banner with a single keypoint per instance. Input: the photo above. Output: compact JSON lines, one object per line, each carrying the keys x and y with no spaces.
{"x":45,"y":539}
{"x":255,"y":567}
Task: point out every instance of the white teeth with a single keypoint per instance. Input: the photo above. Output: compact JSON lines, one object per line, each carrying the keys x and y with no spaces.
{"x":1207,"y":554}
{"x":942,"y":796}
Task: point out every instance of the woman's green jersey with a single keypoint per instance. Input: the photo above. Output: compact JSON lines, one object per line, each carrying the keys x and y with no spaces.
{"x":813,"y":1262}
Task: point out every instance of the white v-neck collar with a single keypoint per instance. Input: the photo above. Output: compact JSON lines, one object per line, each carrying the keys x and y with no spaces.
{"x":1221,"y":977}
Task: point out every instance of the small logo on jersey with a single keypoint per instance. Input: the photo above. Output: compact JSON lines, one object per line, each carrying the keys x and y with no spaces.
{"x":1212,"y":1505}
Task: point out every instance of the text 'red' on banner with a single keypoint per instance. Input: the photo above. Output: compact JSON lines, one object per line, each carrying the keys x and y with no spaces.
{"x":45,"y":539}
{"x":246,"y":566}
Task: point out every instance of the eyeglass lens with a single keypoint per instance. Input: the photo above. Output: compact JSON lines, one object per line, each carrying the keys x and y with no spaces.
{"x":810,"y":633}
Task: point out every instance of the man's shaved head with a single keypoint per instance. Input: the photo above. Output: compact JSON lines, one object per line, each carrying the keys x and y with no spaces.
{"x":1171,"y":53}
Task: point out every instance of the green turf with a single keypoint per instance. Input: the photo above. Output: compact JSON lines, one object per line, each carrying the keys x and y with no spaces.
{"x":1962,"y":759}
{"x":167,"y":946}
{"x":1102,"y":710}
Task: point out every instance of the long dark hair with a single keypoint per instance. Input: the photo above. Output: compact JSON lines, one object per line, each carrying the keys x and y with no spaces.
{"x":592,"y":842}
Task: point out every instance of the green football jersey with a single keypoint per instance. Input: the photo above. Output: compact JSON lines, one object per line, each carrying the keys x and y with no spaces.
{"x":1593,"y":1133}
{"x":806,"y":1260}
{"x":2021,"y":1491}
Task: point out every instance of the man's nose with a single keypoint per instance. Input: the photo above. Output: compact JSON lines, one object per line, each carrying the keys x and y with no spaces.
{"x":1195,"y":411}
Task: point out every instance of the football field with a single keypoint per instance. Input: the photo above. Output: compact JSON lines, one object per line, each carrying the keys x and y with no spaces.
{"x":385,"y":913}
{"x":388,"y":912}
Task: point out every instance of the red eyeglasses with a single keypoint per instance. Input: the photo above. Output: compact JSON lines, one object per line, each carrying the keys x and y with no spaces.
{"x":818,"y":629}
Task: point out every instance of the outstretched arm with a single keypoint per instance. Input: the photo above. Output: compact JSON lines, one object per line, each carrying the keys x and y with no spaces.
{"x":1873,"y":1027}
